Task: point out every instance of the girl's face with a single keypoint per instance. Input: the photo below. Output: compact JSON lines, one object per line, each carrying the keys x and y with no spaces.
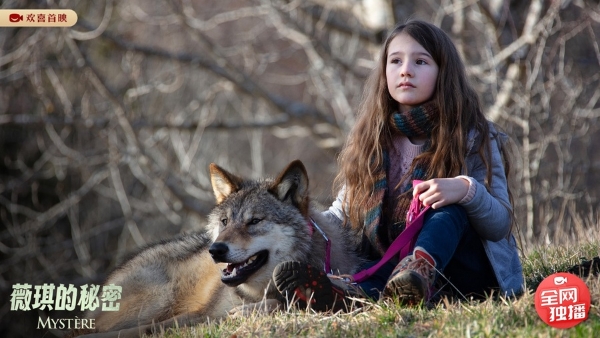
{"x":410,"y":71}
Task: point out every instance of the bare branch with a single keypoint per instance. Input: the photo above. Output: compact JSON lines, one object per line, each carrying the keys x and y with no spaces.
{"x":60,"y":209}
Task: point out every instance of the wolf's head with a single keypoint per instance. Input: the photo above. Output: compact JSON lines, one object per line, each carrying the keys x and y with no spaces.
{"x":257,"y":224}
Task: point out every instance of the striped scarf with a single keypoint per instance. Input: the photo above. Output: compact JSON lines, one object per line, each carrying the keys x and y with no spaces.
{"x":418,"y":121}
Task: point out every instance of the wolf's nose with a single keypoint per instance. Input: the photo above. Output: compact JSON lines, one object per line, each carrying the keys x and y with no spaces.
{"x":218,"y":251}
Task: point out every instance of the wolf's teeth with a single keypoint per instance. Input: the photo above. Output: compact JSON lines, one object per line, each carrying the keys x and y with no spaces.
{"x":248,"y":262}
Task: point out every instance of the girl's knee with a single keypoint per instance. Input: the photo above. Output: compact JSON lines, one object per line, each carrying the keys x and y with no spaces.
{"x":453,"y":211}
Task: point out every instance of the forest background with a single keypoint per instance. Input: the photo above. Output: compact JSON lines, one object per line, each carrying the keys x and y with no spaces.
{"x":107,"y":128}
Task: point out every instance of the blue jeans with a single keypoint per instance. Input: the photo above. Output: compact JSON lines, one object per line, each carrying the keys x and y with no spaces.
{"x":457,"y":250}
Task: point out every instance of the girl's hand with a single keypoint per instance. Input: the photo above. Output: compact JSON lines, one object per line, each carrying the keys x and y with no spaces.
{"x":440,"y":192}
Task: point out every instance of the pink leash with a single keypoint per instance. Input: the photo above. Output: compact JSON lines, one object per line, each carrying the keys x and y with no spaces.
{"x":405,"y":242}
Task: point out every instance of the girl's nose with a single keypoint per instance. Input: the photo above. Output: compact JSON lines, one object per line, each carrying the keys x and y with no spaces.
{"x":406,"y":70}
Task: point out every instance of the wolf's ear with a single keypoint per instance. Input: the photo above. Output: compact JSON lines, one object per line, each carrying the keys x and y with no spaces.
{"x":292,"y":186}
{"x":223,"y":183}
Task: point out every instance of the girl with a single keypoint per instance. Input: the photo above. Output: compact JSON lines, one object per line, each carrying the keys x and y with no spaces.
{"x":420,"y":119}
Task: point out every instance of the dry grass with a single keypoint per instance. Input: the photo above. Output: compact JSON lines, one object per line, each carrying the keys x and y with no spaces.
{"x":491,"y":318}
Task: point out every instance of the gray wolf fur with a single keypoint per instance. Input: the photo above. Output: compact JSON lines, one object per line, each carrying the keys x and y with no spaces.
{"x":255,"y":225}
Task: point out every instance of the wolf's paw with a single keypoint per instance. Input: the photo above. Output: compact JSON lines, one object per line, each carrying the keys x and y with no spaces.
{"x":307,"y":287}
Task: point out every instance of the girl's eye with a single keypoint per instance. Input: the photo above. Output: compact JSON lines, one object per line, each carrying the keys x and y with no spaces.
{"x":224,"y":221}
{"x":421,"y":62}
{"x":254,"y":221}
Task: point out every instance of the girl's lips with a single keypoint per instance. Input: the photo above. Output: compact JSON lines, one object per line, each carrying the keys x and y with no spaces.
{"x":406,"y":85}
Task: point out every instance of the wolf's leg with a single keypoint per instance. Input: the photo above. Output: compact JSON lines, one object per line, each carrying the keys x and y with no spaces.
{"x":263,"y":307}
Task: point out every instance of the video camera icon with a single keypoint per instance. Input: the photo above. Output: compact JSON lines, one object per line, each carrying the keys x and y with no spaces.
{"x":15,"y":17}
{"x":560,"y":280}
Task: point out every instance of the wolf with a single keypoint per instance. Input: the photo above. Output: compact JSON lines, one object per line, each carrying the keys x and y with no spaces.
{"x":255,"y":225}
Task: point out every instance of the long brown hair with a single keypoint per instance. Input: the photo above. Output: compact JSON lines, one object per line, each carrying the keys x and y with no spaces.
{"x":362,"y":156}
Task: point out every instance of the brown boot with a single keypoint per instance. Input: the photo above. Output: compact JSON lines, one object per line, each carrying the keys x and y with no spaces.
{"x":412,"y":278}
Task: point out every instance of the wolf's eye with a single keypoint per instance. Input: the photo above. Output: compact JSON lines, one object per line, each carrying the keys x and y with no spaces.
{"x":224,"y":221}
{"x":254,"y":221}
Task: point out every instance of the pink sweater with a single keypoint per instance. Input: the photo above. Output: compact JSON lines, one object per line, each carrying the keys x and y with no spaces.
{"x":402,"y":154}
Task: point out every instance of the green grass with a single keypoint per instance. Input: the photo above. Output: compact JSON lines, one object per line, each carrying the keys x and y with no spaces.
{"x":490,"y":318}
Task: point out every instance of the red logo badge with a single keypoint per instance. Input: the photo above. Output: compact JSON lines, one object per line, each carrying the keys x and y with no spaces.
{"x":562,"y":300}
